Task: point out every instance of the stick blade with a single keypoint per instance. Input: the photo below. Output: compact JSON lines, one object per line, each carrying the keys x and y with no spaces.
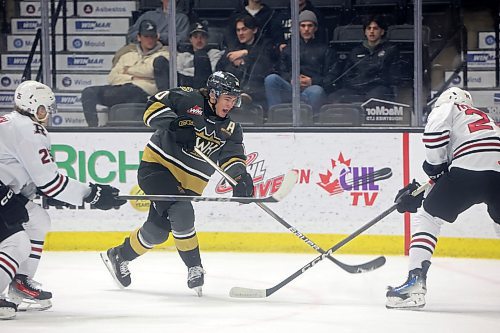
{"x":289,"y":181}
{"x":371,"y":265}
{"x":240,"y":292}
{"x":384,"y":173}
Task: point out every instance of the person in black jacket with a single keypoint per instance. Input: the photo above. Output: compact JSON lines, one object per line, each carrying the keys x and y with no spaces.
{"x":314,"y":63}
{"x":281,"y":24}
{"x":370,"y":71}
{"x":262,"y":13}
{"x":251,"y":60}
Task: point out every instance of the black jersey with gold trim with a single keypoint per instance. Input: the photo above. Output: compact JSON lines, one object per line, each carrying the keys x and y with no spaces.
{"x":219,"y":138}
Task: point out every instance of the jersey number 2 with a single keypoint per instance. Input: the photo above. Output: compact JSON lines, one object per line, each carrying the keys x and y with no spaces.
{"x":46,"y":157}
{"x":480,"y":124}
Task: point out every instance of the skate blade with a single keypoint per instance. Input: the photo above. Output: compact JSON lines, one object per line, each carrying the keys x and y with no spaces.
{"x":198,"y":291}
{"x":414,"y":302}
{"x":109,"y":266}
{"x":7,"y":313}
{"x":34,"y":305}
{"x":28,"y":304}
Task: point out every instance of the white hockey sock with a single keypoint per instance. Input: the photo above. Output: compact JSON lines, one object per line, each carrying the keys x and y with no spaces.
{"x":13,"y":251}
{"x":29,"y":266}
{"x":425,"y":231}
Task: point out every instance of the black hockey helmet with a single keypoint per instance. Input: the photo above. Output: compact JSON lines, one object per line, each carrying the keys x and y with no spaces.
{"x":224,"y":83}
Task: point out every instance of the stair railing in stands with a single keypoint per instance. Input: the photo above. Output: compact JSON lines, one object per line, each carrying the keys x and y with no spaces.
{"x":55,"y":12}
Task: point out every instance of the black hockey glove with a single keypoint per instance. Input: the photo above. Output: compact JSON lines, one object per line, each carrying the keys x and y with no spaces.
{"x":244,"y":186}
{"x":407,"y":202}
{"x":104,"y":197}
{"x":435,"y":171}
{"x":185,"y":134}
{"x":12,"y":207}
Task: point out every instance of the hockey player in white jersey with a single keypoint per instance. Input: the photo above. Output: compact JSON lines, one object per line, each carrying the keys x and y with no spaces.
{"x":462,"y":157}
{"x":26,"y":167}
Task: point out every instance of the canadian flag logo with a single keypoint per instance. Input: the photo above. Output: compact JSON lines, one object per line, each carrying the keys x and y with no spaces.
{"x":330,"y":180}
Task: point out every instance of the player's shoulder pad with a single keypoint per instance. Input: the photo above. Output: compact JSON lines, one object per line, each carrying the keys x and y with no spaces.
{"x":27,"y":127}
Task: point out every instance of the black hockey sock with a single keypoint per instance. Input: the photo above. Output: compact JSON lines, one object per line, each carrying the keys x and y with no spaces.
{"x":188,"y":250}
{"x":191,"y":258}
{"x":126,"y":250}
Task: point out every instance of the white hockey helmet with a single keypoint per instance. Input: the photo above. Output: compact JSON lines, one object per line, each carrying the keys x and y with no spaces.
{"x":31,"y":95}
{"x":455,"y":95}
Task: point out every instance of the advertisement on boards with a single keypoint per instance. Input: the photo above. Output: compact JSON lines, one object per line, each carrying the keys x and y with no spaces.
{"x":321,"y":201}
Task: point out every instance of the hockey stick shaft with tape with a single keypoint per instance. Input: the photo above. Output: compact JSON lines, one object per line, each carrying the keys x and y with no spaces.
{"x":351,"y":269}
{"x":262,"y":293}
{"x":276,"y":197}
{"x":160,"y":197}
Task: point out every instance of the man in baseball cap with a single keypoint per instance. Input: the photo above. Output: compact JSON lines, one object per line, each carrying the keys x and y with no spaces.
{"x":147,"y":28}
{"x":198,"y":27}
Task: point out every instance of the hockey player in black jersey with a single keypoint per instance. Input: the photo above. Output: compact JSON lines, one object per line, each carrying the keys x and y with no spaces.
{"x":184,"y":118}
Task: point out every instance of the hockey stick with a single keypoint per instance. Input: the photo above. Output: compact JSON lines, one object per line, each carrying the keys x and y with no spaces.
{"x":262,"y":293}
{"x":284,"y":189}
{"x":196,"y":198}
{"x":374,"y":264}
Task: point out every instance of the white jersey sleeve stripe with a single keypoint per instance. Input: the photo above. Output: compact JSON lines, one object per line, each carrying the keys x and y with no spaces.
{"x":56,"y":186}
{"x":434,"y":140}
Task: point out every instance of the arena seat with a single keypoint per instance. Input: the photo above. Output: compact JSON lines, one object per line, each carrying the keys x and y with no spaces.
{"x":126,"y":114}
{"x":248,"y":116}
{"x":339,"y":114}
{"x":282,"y":115}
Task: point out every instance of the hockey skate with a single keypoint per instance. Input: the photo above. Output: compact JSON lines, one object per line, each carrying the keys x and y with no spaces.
{"x":117,"y":267}
{"x":411,"y":294}
{"x":7,"y":309}
{"x":28,"y":295}
{"x":196,"y":279}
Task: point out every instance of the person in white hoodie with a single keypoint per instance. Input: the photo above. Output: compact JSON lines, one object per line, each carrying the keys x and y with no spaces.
{"x":135,"y":77}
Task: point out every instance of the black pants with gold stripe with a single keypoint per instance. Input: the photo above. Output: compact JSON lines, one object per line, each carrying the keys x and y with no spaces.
{"x":164,"y":217}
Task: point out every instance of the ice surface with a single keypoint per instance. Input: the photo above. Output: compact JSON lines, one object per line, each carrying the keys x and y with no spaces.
{"x":464,"y":296}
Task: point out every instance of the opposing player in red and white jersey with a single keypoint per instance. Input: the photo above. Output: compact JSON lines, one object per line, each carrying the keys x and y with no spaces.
{"x":462,"y":149}
{"x":26,"y":167}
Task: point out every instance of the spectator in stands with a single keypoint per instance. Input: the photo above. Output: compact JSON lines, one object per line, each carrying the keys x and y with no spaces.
{"x":197,"y":62}
{"x":256,"y":8}
{"x":371,"y":69}
{"x":315,"y":58}
{"x":137,"y":75}
{"x":281,"y":24}
{"x":161,"y":17}
{"x":250,"y":60}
